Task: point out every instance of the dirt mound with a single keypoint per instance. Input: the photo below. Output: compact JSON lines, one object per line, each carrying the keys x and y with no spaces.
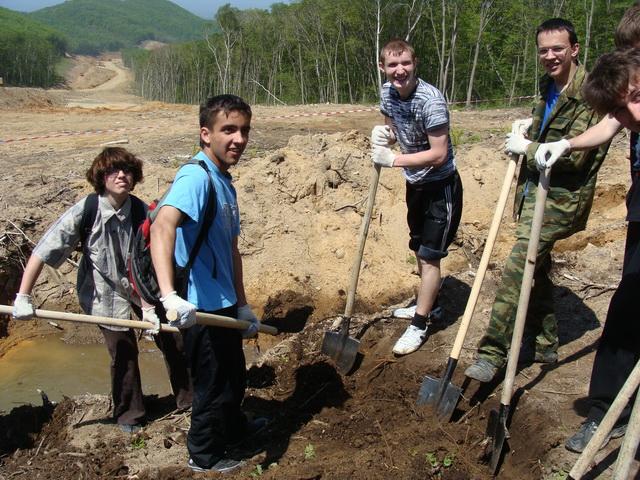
{"x":34,"y":98}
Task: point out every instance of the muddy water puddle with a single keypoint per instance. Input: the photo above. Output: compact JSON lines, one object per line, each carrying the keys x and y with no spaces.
{"x":61,"y":369}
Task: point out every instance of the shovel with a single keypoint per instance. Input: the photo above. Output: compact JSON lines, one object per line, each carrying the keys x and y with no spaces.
{"x":204,"y":319}
{"x":342,"y":348}
{"x":441,"y":394}
{"x":630,"y":444}
{"x":497,"y":424}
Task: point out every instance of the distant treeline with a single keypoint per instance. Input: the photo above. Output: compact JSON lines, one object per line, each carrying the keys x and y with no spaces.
{"x":314,"y":51}
{"x":29,"y":51}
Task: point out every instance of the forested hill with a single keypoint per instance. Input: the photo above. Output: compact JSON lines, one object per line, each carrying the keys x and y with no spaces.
{"x":476,"y":52}
{"x":94,"y":26}
{"x":29,"y":50}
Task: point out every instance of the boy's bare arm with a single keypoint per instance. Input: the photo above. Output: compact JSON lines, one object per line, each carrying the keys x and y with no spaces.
{"x":434,"y":157}
{"x":31,"y":274}
{"x":548,"y":153}
{"x":600,"y":133}
{"x":163,"y":240}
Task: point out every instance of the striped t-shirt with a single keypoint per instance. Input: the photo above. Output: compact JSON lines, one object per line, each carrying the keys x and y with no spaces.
{"x":423,"y":111}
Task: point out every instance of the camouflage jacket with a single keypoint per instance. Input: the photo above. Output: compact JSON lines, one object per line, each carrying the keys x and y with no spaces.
{"x":573,"y":176}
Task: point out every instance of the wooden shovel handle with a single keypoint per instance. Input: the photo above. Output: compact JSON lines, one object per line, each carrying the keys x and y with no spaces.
{"x":525,"y":289}
{"x":95,"y":320}
{"x":214,"y":320}
{"x":622,"y":470}
{"x":586,"y":457}
{"x":486,"y":256}
{"x":203,"y":318}
{"x":364,"y":230}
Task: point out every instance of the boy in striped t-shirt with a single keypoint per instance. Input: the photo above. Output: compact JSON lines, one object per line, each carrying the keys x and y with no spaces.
{"x":416,"y":117}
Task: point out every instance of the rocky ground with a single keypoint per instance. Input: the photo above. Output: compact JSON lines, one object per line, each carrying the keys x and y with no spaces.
{"x":302,"y":187}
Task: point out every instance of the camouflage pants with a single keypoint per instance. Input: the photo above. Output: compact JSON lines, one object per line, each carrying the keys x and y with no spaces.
{"x":541,"y":321}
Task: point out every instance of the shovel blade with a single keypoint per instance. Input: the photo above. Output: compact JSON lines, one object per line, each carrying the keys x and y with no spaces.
{"x":342,"y":349}
{"x":442,"y":398}
{"x":497,"y":433}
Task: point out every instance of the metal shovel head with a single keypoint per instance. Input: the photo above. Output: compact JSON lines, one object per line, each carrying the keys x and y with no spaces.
{"x":443,"y":398}
{"x":497,"y":432}
{"x":342,"y":349}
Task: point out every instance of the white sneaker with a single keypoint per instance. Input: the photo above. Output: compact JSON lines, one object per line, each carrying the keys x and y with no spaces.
{"x":408,"y":312}
{"x":410,"y":340}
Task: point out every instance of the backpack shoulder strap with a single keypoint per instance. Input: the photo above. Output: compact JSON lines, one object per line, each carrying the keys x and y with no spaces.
{"x":88,"y":217}
{"x":138,"y":212}
{"x":209,"y":215}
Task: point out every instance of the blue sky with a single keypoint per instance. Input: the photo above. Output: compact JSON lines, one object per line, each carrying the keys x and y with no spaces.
{"x":203,"y":8}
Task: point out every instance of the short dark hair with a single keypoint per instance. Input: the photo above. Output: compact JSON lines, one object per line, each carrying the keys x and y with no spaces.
{"x":609,"y":80}
{"x":397,"y":46}
{"x":221,"y":103}
{"x":554,"y":24}
{"x":628,"y":30}
{"x":112,"y":159}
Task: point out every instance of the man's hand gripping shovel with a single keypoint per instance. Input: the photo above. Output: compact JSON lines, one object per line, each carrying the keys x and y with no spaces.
{"x":440,"y":393}
{"x":342,"y":348}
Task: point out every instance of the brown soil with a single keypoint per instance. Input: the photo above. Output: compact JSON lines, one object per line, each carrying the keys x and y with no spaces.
{"x":302,"y":185}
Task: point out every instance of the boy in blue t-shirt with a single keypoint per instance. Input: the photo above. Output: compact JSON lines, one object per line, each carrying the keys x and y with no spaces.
{"x":416,"y":117}
{"x":215,"y":285}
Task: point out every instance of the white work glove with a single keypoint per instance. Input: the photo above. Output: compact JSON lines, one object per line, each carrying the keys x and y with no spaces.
{"x":548,"y":153}
{"x":382,"y":156}
{"x":22,"y":307}
{"x":186,"y":311}
{"x":521,"y":126}
{"x":382,"y":136}
{"x":245,"y":313}
{"x":149,"y":315}
{"x":516,"y":144}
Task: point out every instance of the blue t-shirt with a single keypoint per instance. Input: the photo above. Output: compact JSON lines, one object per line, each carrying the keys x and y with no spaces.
{"x":413,"y":117}
{"x":211,"y":285}
{"x":550,"y":102}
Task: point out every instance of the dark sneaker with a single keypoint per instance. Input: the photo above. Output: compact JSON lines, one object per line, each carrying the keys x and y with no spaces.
{"x":223,"y":465}
{"x":482,"y":370}
{"x":578,"y":442}
{"x":135,"y":428}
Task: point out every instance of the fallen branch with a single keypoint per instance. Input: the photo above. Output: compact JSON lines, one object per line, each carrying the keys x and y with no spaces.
{"x":270,"y":94}
{"x":555,"y":392}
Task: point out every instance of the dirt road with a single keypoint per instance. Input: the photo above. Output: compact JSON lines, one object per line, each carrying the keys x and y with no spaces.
{"x":302,"y":185}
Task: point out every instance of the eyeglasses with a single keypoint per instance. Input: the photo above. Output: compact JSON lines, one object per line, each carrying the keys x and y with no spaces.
{"x":557,"y":51}
{"x":115,"y":170}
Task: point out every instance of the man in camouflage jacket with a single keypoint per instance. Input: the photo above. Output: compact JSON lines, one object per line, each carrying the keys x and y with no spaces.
{"x":560,"y":112}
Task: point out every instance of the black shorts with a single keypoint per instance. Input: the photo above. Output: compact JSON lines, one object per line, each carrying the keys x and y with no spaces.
{"x":433,"y":214}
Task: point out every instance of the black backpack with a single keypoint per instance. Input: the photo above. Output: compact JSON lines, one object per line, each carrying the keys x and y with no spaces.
{"x":90,"y":211}
{"x":141,"y":272}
